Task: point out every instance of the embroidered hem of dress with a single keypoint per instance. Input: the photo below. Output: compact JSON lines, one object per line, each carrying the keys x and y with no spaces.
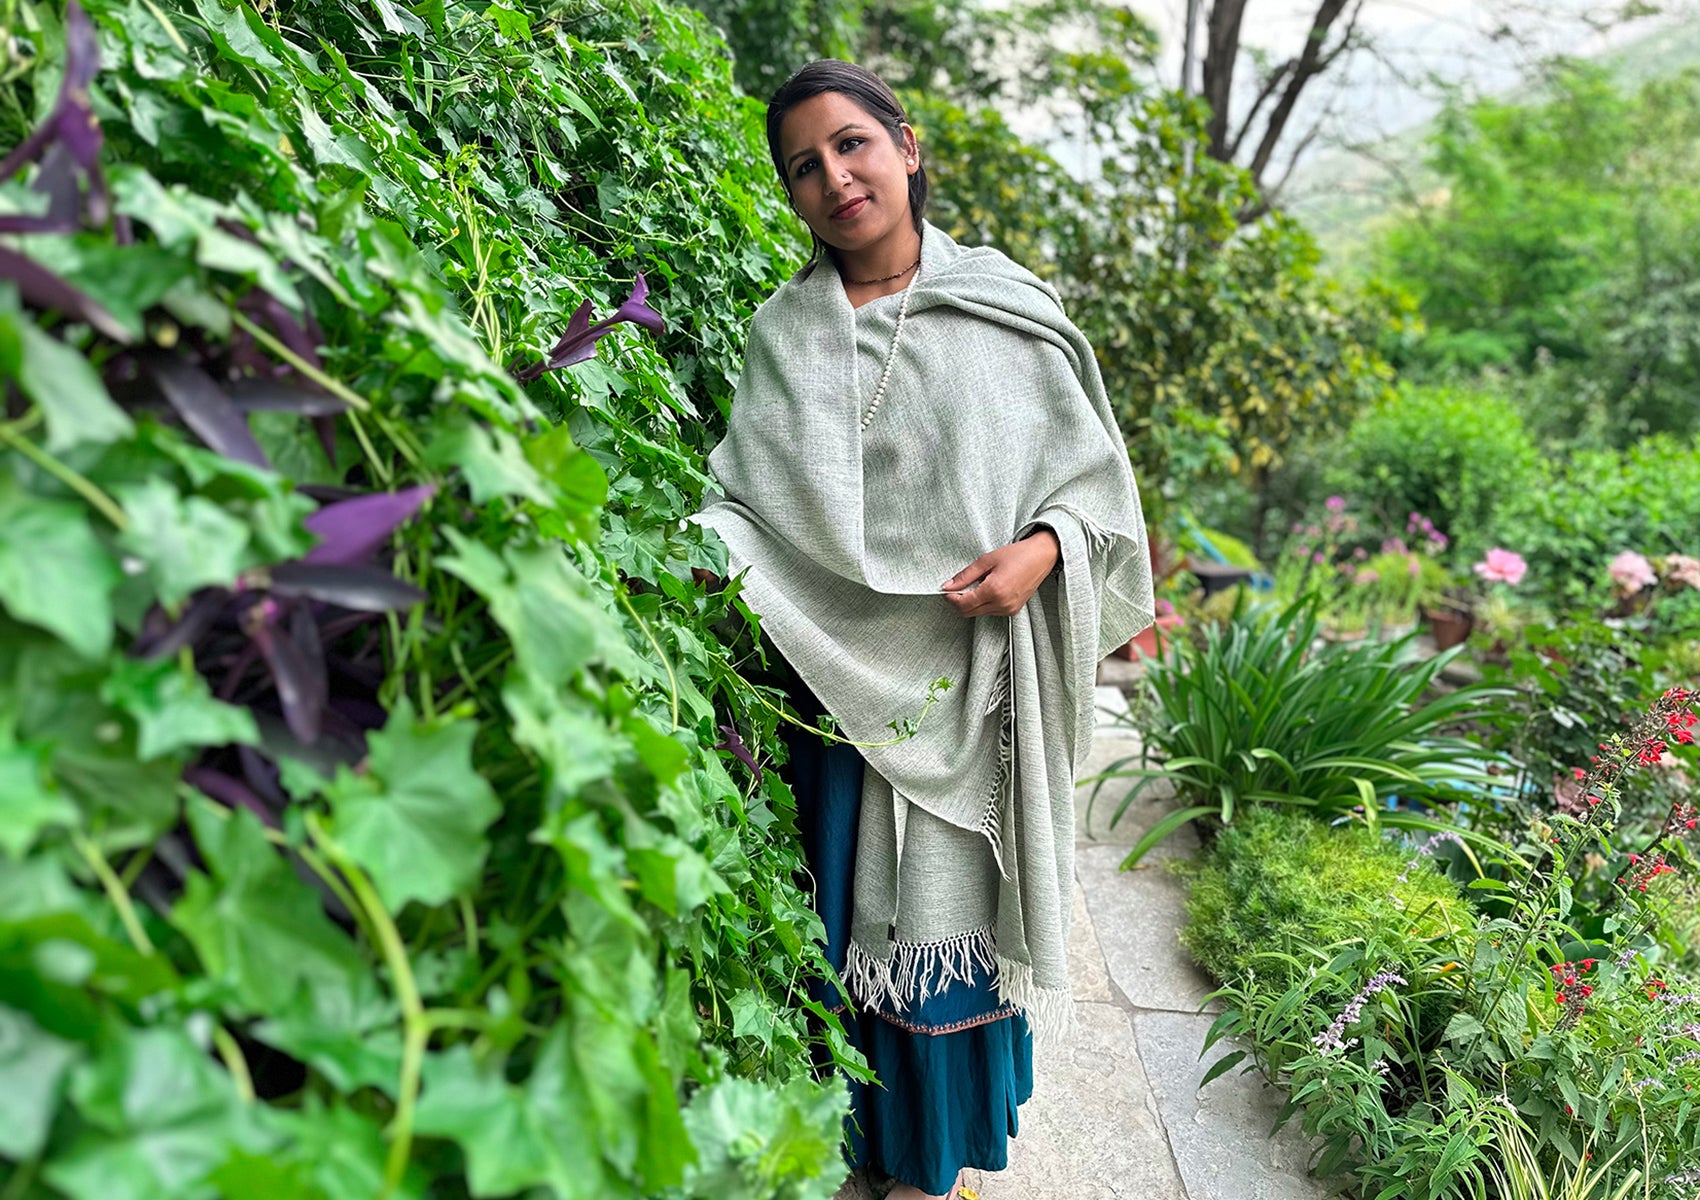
{"x":1001,"y":1013}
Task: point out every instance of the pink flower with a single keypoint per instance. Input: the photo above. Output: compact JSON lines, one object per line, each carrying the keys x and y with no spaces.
{"x":1164,"y":608}
{"x":1416,"y":566}
{"x":1369,"y":575}
{"x":1683,"y":569}
{"x":1317,"y":557}
{"x":1335,"y":504}
{"x":1502,"y":566}
{"x":1632,"y":572}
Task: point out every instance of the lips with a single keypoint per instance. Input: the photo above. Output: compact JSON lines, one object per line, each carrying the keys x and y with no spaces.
{"x":849,"y":208}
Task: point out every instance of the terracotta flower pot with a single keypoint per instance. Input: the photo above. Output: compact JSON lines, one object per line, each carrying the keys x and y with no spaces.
{"x":1449,"y":626}
{"x":1150,"y":641}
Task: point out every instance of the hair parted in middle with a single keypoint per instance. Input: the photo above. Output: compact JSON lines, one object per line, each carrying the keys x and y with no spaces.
{"x":871,"y":94}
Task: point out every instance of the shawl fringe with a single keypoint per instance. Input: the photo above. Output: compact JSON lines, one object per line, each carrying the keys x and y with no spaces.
{"x":1003,"y":779}
{"x":1050,"y":1011}
{"x":913,"y":971}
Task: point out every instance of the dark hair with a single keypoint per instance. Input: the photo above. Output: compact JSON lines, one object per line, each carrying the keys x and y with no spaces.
{"x":870,"y":94}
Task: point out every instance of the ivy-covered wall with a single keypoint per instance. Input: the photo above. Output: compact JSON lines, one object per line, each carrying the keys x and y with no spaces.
{"x":380,"y":813}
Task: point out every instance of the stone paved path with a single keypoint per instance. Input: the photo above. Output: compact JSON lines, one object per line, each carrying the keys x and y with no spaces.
{"x":1119,"y":1113}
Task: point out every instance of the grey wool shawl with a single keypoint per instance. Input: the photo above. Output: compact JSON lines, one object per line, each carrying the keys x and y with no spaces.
{"x":994,"y":421}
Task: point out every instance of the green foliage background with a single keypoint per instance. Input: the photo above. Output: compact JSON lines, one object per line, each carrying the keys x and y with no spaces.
{"x":542,"y":938}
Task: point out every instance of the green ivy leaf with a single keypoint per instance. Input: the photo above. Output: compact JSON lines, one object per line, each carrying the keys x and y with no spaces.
{"x":27,"y":804}
{"x":254,"y":925}
{"x":161,"y":1118}
{"x":329,"y":1153}
{"x":33,"y":1067}
{"x":346,"y":1034}
{"x":491,"y":460}
{"x":54,"y":572}
{"x":752,"y":1016}
{"x":174,"y":709}
{"x":514,"y":1137}
{"x":577,"y":482}
{"x":61,"y":381}
{"x":186,"y":542}
{"x":766,"y":1143}
{"x":546,"y":607}
{"x":415,"y":819}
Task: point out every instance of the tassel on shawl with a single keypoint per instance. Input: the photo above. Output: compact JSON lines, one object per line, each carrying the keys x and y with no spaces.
{"x":915,"y":970}
{"x":1050,"y":1011}
{"x":1003,"y":778}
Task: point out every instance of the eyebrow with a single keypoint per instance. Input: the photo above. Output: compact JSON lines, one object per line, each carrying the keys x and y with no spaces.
{"x":807,"y":150}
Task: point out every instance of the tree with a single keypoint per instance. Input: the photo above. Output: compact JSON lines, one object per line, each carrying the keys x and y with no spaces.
{"x":1334,"y":31}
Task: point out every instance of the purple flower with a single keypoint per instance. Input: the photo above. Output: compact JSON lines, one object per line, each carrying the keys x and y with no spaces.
{"x":1335,"y":504}
{"x":579,"y":342}
{"x":1427,"y":848}
{"x":735,"y":743}
{"x":1329,"y":1040}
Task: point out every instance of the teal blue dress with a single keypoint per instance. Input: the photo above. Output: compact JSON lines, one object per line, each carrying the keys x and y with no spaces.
{"x":952,"y":1070}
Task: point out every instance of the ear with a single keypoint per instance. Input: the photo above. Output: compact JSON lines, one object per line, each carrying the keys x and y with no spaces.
{"x":911,"y":148}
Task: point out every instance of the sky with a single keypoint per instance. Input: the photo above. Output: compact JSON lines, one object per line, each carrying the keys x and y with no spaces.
{"x":1417,"y":45}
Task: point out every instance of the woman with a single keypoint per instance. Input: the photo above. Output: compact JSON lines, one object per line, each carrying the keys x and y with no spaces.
{"x":914,"y":411}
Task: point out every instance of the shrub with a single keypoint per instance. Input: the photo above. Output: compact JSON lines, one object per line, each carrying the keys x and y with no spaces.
{"x":1278,"y":893}
{"x":1407,"y":1066}
{"x":1454,"y":455}
{"x":1597,"y":504}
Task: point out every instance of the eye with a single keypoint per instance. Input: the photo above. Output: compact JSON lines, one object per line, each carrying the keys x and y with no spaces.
{"x":803,"y":169}
{"x":849,"y":144}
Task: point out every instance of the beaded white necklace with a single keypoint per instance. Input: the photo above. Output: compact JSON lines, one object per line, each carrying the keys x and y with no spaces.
{"x":891,"y":355}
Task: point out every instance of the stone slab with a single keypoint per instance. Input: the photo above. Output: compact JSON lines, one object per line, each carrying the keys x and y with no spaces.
{"x":1088,"y":976}
{"x":1220,"y":1134}
{"x":1095,"y":826}
{"x":1119,"y":672}
{"x":1112,"y":709}
{"x":1092,"y":1130}
{"x":1138,"y":915}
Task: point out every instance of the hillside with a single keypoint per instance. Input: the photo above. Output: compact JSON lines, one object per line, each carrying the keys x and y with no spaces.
{"x":1344,"y":193}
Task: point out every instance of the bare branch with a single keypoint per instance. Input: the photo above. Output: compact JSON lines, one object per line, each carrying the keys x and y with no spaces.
{"x":1311,"y":60}
{"x":1264,"y":93}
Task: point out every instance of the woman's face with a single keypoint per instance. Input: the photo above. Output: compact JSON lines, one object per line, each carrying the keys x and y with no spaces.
{"x":847,"y":178}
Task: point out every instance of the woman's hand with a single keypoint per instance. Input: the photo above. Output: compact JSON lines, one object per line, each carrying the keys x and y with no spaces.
{"x":1000,"y":582}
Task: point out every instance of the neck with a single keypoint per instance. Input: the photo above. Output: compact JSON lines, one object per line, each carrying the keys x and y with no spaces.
{"x":888,"y":256}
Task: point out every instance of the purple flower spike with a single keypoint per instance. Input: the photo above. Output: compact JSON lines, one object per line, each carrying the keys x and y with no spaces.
{"x":1330,"y":1041}
{"x":350,"y":531}
{"x":579,"y":342}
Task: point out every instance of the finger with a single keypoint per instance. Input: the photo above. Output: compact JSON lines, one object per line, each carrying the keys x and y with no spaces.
{"x":967,"y":604}
{"x":976,"y":570}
